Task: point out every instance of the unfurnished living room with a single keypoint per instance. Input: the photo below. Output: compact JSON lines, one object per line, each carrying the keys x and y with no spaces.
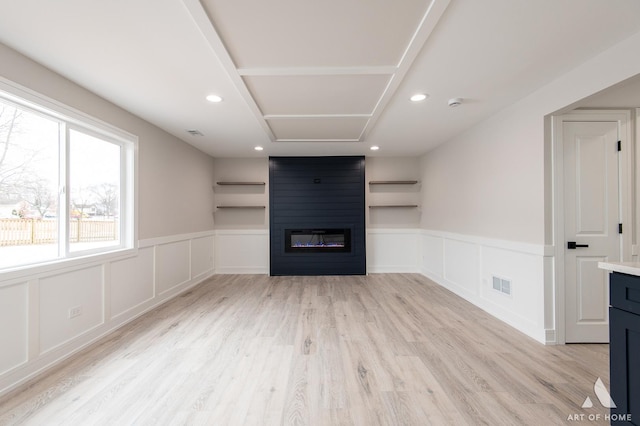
{"x":340,"y":212}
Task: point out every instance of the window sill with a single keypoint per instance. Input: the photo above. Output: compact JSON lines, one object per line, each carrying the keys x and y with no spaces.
{"x":10,"y":276}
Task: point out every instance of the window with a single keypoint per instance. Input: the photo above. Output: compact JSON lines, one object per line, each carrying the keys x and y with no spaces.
{"x":94,"y":188}
{"x":66,"y":183}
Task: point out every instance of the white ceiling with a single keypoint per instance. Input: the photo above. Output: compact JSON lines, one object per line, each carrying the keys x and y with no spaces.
{"x":314,"y":78}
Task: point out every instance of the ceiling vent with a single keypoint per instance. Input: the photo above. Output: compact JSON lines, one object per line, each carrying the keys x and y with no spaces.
{"x":194,"y":132}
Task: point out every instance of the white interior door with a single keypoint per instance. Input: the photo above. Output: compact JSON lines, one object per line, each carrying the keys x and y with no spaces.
{"x":592,"y":212}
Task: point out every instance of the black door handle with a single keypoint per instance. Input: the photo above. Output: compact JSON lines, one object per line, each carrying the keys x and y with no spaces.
{"x":571,"y":245}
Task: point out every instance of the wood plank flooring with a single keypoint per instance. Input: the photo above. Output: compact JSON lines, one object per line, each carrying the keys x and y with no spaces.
{"x":383,"y":349}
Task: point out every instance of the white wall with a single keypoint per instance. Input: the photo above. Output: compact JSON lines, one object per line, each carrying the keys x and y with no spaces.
{"x":392,"y":169}
{"x":242,"y":235}
{"x":488,"y":182}
{"x":495,"y":182}
{"x":241,"y":170}
{"x":174,"y":186}
{"x":392,"y":240}
{"x":176,"y":246}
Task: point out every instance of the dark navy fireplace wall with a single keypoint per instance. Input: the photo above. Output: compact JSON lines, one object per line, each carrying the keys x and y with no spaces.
{"x":319,"y":197}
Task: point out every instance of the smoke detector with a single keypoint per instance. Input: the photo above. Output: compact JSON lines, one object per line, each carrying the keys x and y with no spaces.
{"x":454,"y":102}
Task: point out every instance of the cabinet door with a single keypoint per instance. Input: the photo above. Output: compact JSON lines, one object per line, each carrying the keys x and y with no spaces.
{"x":625,"y":292}
{"x":625,"y":364}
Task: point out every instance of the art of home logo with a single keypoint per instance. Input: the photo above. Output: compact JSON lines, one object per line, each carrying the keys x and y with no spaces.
{"x":602,"y":394}
{"x":606,"y":401}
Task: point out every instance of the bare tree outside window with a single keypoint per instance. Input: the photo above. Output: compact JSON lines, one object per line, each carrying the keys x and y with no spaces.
{"x":23,"y":176}
{"x":28,"y":186}
{"x":40,"y":197}
{"x":61,"y":184}
{"x":9,"y":174}
{"x":106,"y":196}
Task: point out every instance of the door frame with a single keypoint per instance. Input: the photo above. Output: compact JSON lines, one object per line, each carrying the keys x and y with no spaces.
{"x":626,"y":187}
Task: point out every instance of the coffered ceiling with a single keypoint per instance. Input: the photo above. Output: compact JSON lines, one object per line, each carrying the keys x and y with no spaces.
{"x":317,"y":72}
{"x":329,"y":77}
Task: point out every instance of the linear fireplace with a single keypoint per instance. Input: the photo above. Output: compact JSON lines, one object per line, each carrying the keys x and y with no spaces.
{"x":319,"y":240}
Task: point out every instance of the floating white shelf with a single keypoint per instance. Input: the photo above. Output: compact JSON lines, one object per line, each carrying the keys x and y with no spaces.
{"x":393,"y":182}
{"x":241,"y":207}
{"x":240,"y":183}
{"x":393,"y":206}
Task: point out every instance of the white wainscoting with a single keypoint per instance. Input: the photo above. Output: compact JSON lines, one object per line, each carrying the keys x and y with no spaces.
{"x":393,"y":250}
{"x":466,"y":265}
{"x":81,"y":289}
{"x":14,"y":310}
{"x":172,"y":265}
{"x":35,"y":325}
{"x":247,"y":251}
{"x":244,"y":251}
{"x":132,"y":282}
{"x":112,"y":290}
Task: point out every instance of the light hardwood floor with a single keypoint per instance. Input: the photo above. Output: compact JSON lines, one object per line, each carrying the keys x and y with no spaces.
{"x":388,"y":349}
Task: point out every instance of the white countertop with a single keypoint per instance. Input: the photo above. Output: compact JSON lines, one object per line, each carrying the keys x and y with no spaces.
{"x":631,"y":268}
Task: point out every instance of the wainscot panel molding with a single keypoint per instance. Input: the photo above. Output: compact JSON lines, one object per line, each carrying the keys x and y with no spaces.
{"x":467,"y":265}
{"x":245,"y":251}
{"x":393,"y":250}
{"x":242,"y":251}
{"x":13,"y":306}
{"x":57,"y":311}
{"x":81,"y":289}
{"x":132,"y":282}
{"x":172,"y":265}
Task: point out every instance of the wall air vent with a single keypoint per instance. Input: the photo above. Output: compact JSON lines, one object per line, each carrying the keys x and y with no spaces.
{"x":502,"y":285}
{"x":194,"y":132}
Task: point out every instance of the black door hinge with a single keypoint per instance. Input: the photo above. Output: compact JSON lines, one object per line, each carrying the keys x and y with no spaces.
{"x":619,"y":145}
{"x":619,"y":228}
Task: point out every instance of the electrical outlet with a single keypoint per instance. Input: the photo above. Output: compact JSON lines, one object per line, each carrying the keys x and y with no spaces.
{"x":76,"y":311}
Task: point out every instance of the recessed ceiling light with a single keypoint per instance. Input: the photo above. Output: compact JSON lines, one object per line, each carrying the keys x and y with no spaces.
{"x":455,"y":102}
{"x":374,"y":148}
{"x":419,"y":97}
{"x":214,"y":98}
{"x":258,"y":148}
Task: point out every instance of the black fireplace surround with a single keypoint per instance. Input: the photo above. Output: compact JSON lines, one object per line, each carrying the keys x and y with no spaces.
{"x":316,"y":215}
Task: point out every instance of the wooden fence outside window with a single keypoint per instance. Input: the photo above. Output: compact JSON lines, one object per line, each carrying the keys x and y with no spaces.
{"x":14,"y":232}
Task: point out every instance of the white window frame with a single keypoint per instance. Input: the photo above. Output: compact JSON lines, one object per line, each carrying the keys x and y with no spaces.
{"x":72,"y":119}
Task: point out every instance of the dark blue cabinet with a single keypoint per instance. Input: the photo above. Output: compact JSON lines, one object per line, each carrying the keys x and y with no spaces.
{"x":624,"y":322}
